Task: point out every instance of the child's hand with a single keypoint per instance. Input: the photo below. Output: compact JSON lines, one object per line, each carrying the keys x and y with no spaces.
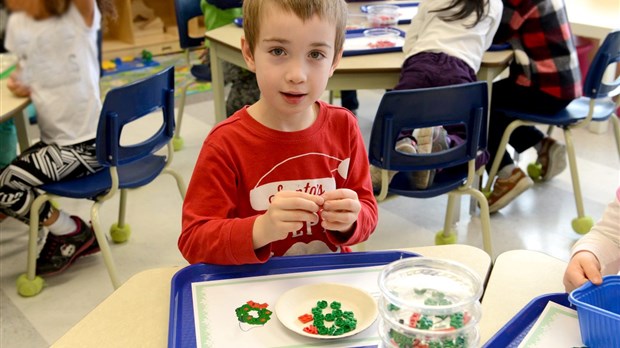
{"x":340,"y":210}
{"x":16,"y":86}
{"x":288,"y":211}
{"x":583,"y":266}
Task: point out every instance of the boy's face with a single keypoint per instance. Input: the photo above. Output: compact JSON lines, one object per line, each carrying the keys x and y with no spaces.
{"x":292,"y":60}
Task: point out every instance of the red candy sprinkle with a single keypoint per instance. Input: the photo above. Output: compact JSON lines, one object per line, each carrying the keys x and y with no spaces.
{"x":311,"y":329}
{"x":305,"y":318}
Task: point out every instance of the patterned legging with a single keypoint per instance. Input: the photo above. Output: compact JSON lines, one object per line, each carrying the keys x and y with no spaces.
{"x":42,"y":164}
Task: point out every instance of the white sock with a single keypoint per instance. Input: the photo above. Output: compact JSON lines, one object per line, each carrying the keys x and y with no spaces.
{"x":63,"y":225}
{"x":506,"y":171}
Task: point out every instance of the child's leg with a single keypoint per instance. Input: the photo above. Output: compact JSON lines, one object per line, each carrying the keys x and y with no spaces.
{"x":38,"y":165}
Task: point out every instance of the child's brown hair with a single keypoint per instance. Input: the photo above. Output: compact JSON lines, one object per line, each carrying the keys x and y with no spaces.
{"x":334,"y":11}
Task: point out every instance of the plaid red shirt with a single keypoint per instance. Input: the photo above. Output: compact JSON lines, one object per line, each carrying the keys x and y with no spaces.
{"x":545,"y":53}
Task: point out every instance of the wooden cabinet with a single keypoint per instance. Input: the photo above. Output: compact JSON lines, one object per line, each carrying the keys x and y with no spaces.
{"x":141,"y":25}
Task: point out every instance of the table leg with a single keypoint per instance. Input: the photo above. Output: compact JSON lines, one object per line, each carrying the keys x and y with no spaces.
{"x":217,"y":83}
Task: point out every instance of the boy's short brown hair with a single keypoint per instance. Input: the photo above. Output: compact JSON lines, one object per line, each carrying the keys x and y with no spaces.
{"x":334,"y":11}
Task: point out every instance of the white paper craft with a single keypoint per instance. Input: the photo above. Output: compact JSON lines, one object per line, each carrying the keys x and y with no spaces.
{"x":557,"y":326}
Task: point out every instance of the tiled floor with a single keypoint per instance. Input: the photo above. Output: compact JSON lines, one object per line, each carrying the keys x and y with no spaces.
{"x":539,"y":220}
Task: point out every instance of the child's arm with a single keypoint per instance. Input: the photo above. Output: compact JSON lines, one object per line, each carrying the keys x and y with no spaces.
{"x":87,"y":10}
{"x":288,"y":211}
{"x":598,"y":252}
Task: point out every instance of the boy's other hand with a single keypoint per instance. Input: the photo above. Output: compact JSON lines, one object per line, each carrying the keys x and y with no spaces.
{"x":340,"y":210}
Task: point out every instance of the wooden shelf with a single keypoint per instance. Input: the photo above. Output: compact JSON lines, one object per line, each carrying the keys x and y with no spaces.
{"x":131,"y":32}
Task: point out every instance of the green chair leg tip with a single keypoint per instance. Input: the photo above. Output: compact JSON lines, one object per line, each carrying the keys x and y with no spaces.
{"x":582,"y":225}
{"x":177,"y":143}
{"x":486,"y":193}
{"x":29,"y":288}
{"x":441,"y":239}
{"x":120,"y":234}
{"x":534,"y":170}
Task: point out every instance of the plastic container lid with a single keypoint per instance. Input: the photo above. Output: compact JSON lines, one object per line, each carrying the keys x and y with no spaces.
{"x":430,"y":286}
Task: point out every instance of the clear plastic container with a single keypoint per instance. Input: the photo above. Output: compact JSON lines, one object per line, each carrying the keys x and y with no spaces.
{"x":427,"y":301}
{"x":399,"y":337}
{"x":383,"y":15}
{"x":382,"y":33}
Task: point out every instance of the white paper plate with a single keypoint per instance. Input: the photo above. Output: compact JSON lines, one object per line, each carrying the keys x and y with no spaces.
{"x":301,"y":300}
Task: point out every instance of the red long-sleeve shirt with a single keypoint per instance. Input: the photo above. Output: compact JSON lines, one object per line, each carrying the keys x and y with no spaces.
{"x":243,"y":163}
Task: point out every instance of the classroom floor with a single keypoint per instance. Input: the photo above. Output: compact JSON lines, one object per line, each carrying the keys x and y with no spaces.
{"x":538,"y":220}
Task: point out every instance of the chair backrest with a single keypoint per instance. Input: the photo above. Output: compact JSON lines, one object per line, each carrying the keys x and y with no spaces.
{"x":125,"y":104}
{"x":185,"y":11}
{"x":608,"y":53}
{"x":464,"y":104}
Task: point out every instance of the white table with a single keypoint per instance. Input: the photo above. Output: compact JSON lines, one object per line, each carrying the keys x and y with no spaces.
{"x":517,"y":277}
{"x":136,"y":314}
{"x":373,"y":71}
{"x":593,"y":19}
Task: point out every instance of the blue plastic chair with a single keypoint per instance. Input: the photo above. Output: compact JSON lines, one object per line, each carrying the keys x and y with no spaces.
{"x":126,"y":166}
{"x":187,"y":10}
{"x":595,"y":105}
{"x":464,"y":104}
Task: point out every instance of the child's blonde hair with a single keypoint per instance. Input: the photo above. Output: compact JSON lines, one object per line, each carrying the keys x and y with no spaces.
{"x":334,"y":11}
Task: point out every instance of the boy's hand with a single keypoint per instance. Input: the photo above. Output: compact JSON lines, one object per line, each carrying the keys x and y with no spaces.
{"x":340,"y":210}
{"x":583,"y":266}
{"x":288,"y":211}
{"x":16,"y":86}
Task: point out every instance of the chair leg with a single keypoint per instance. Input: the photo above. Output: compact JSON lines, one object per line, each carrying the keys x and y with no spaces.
{"x":500,"y":151}
{"x":384,"y":186}
{"x":179,"y":180}
{"x":177,"y":141}
{"x":447,"y":235}
{"x":103,"y":245}
{"x":29,"y":284}
{"x":582,"y":223}
{"x":120,"y":231}
{"x":485,"y":219}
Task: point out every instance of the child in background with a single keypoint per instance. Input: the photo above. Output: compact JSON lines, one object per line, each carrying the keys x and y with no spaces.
{"x":598,"y":252}
{"x":244,"y":89}
{"x":56,"y":44}
{"x":544,"y":78}
{"x":443,"y":46}
{"x":287,"y":175}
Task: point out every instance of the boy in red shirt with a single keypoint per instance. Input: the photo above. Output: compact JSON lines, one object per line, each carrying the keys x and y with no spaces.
{"x":289,"y":174}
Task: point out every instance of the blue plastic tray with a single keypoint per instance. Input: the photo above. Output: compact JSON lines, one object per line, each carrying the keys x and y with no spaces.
{"x":356,"y":33}
{"x":181,"y":331}
{"x":364,"y":8}
{"x":511,"y":335}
